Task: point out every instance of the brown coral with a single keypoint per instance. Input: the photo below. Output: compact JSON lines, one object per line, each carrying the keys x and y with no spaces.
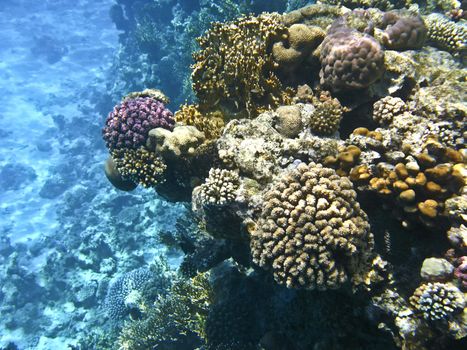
{"x":349,"y":59}
{"x":210,"y":123}
{"x":403,"y":33}
{"x":140,"y":165}
{"x":311,"y":232}
{"x":234,"y":68}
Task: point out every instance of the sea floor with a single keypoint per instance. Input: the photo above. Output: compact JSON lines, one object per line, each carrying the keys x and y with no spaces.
{"x":57,"y":210}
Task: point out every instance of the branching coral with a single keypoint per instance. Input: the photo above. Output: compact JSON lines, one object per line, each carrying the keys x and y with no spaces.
{"x":234,"y":68}
{"x":180,"y":315}
{"x":128,"y":125}
{"x":446,"y":34}
{"x":311,"y":232}
{"x":140,"y":166}
{"x":210,"y":123}
{"x":438,"y":301}
{"x":219,"y":188}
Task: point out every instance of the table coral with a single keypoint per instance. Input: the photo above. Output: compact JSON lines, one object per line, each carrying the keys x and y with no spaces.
{"x":311,"y":232}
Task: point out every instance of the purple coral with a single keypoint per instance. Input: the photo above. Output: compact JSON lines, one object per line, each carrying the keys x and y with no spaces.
{"x":403,"y":33}
{"x":349,"y":59}
{"x":461,"y":272}
{"x":128,"y":125}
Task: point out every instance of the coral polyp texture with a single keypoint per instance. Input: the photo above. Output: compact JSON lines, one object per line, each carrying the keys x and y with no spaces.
{"x":403,"y":33}
{"x":312,"y":232}
{"x":349,"y":59}
{"x":140,"y":166}
{"x":386,"y":108}
{"x":438,"y":301}
{"x":220,"y":187}
{"x":446,"y":34}
{"x":128,"y":125}
{"x":117,"y":302}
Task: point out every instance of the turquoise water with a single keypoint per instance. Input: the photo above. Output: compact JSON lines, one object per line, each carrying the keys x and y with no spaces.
{"x":179,"y":265}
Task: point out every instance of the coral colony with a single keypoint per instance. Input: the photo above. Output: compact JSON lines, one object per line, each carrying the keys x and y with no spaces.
{"x":326,"y":146}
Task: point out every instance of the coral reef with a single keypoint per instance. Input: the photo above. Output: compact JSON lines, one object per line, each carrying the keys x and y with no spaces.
{"x":128,"y":125}
{"x":140,"y":166}
{"x":437,"y":301}
{"x":446,"y":34}
{"x":124,"y":290}
{"x":180,"y":316}
{"x":349,"y":59}
{"x":210,"y":123}
{"x":403,"y":33}
{"x":220,"y":187}
{"x":311,"y":232}
{"x":386,"y":108}
{"x":233,"y":69}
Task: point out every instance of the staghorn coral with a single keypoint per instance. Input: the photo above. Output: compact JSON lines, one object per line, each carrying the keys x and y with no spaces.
{"x":349,"y":59}
{"x":386,"y":108}
{"x":437,"y":301}
{"x":140,"y":166}
{"x":122,"y":289}
{"x":446,"y":34}
{"x":403,"y":33}
{"x":179,"y":316}
{"x":234,"y":68}
{"x":311,"y":232}
{"x":128,"y":125}
{"x":210,"y":123}
{"x":220,"y":187}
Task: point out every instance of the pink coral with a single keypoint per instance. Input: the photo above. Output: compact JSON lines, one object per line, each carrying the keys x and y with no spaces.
{"x":461,"y":272}
{"x":128,"y":125}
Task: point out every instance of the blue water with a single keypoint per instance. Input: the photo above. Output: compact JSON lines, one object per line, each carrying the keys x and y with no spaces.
{"x":55,"y":59}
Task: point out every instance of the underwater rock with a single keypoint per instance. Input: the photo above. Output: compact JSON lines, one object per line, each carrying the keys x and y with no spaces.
{"x":435,"y":269}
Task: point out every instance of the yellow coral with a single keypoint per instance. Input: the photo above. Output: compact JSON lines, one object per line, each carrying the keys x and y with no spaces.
{"x":234,"y":68}
{"x":210,"y":123}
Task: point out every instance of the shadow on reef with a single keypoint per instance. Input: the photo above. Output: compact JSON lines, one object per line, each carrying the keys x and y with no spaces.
{"x":324,"y":164}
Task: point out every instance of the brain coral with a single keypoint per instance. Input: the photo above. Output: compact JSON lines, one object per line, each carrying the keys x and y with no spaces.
{"x":312,"y":232}
{"x":128,"y":125}
{"x":437,"y":301}
{"x":349,"y":59}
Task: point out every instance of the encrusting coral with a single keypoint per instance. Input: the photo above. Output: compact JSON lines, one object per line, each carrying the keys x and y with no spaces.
{"x":311,"y":232}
